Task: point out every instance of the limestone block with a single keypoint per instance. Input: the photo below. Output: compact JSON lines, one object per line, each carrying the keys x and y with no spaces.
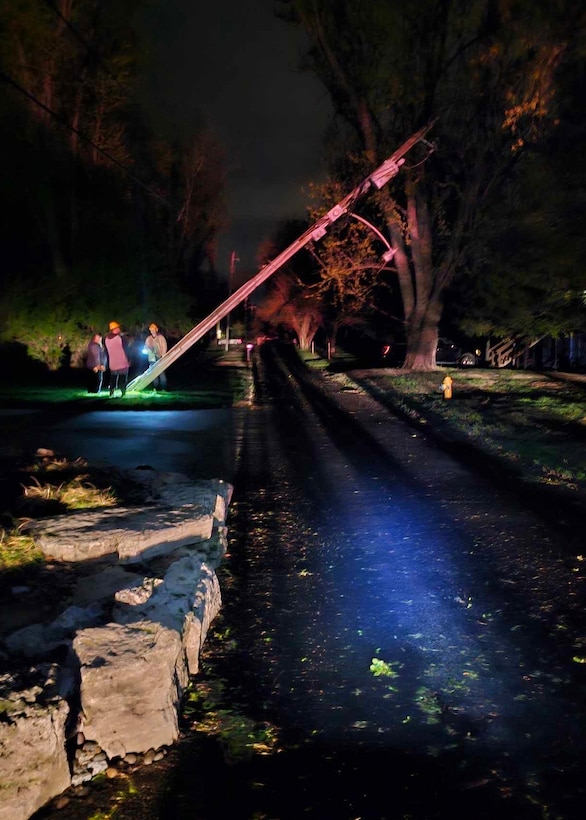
{"x":33,"y":762}
{"x":104,"y":584}
{"x":188,"y":600}
{"x":206,"y":606}
{"x":126,"y":533}
{"x":131,"y":685}
{"x":39,"y":640}
{"x":133,"y":670}
{"x":184,"y":587}
{"x":139,"y":594}
{"x":211,"y":495}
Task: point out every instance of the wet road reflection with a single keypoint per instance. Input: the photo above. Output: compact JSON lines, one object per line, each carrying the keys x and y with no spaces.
{"x":198,"y":443}
{"x":373,"y":631}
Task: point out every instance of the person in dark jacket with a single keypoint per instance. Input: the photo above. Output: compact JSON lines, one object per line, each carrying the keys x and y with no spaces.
{"x":96,"y":362}
{"x":118,"y":358}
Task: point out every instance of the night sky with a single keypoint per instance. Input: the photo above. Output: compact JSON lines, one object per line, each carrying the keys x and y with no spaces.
{"x":233,"y":65}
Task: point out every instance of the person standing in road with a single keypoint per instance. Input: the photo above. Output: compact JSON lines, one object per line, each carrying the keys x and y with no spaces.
{"x":96,"y":362}
{"x":118,"y":359}
{"x":156,"y":347}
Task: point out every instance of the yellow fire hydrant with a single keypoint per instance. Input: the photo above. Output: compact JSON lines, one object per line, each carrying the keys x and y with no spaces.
{"x":447,"y":387}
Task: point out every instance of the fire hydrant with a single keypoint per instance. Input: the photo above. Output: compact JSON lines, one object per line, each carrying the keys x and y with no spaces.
{"x":447,"y":387}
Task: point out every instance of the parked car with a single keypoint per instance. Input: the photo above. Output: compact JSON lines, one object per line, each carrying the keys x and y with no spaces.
{"x":448,"y":352}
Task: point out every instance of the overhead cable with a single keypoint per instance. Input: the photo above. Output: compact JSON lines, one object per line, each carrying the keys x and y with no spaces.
{"x":82,"y":136}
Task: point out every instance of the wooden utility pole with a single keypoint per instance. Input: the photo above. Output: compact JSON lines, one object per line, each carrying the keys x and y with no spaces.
{"x":233,"y":259}
{"x":317,"y":231}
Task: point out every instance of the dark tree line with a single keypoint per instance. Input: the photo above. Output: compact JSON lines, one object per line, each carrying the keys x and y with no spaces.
{"x":105,"y":219}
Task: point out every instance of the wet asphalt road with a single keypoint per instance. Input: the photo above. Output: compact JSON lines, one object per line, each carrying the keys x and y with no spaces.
{"x":202,"y":444}
{"x":414,"y":636}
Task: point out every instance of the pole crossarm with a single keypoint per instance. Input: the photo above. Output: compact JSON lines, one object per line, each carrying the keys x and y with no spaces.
{"x":385,"y":172}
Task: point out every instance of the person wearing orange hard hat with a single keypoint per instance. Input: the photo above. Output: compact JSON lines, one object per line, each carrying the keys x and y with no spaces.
{"x":118,"y":358}
{"x":155,"y":347}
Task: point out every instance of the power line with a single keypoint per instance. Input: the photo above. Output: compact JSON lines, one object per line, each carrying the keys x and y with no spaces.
{"x":84,"y":43}
{"x":82,"y":136}
{"x":70,"y":26}
{"x":100,"y":62}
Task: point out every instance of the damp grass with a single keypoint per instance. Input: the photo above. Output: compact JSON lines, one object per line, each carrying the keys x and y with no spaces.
{"x":313,"y":360}
{"x":213,"y":380}
{"x":18,"y":550}
{"x":77,"y":494}
{"x":48,"y":486}
{"x":531,"y":421}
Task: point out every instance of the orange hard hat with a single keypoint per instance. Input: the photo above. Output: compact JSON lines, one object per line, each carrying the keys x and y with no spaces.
{"x":153,"y":326}
{"x":113,"y":325}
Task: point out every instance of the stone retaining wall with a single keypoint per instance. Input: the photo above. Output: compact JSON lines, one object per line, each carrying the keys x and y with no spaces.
{"x":126,"y":646}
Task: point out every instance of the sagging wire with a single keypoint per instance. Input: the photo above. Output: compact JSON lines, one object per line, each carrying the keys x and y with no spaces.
{"x":431,"y":148}
{"x":8,"y":79}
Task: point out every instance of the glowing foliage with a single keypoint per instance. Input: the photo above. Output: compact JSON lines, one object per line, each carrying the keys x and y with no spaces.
{"x":530,"y":106}
{"x":428,"y":702}
{"x":239,"y":736}
{"x":382,"y":669}
{"x":78,"y":494}
{"x":17,"y":550}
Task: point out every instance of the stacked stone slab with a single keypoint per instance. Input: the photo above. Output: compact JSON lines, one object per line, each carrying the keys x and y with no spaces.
{"x":33,"y":761}
{"x":134,"y":636}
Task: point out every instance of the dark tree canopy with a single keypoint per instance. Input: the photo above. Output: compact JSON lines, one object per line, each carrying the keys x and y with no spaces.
{"x":105,"y":219}
{"x":486,"y":71}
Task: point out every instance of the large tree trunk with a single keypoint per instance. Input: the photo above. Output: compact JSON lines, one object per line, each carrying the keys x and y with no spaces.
{"x":306,"y":328}
{"x":419,"y":282}
{"x":422,"y":338}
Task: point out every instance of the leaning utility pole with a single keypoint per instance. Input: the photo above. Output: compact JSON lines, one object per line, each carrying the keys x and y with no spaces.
{"x":317,"y":231}
{"x":233,"y":259}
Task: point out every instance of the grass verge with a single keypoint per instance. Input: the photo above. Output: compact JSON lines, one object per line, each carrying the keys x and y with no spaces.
{"x":532,"y":421}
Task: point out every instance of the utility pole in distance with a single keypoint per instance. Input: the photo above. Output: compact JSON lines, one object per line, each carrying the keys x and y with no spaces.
{"x":233,"y":260}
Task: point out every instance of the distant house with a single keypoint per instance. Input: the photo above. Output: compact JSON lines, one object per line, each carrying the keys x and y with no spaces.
{"x":564,"y":352}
